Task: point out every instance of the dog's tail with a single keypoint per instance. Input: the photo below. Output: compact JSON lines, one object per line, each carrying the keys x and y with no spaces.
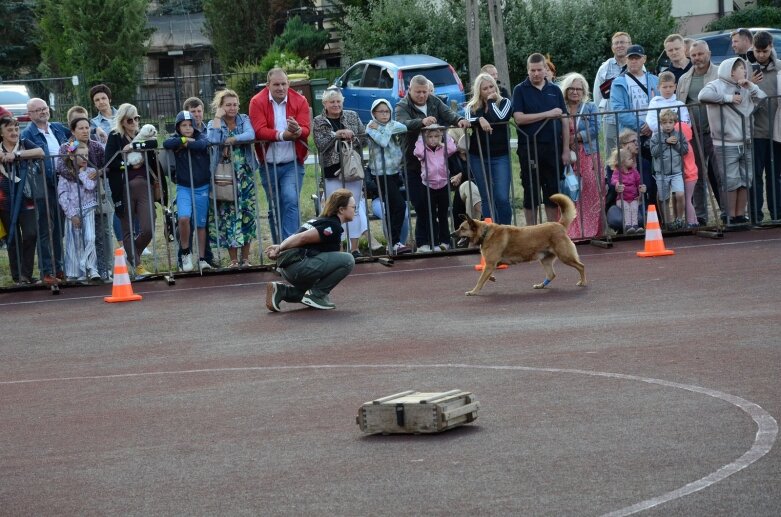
{"x":567,"y":207}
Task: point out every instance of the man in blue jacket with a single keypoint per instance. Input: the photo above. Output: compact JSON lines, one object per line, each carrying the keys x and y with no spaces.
{"x":631,"y":92}
{"x":49,"y":136}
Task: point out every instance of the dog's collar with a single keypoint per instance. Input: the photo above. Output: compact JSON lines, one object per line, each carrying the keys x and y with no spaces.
{"x":483,"y":236}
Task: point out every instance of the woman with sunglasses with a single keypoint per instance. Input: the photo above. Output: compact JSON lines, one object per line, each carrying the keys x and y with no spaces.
{"x":131,"y":189}
{"x":17,"y":209}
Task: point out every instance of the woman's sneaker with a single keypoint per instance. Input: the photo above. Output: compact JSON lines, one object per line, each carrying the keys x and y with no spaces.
{"x":424,"y":249}
{"x":203,"y":264}
{"x":187,"y":263}
{"x":400,"y":249}
{"x":443,"y":246}
{"x":317,"y":302}
{"x":273,"y":296}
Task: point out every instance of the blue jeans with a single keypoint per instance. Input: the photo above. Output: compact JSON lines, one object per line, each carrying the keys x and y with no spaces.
{"x":497,"y":169}
{"x":282,"y":184}
{"x":50,"y":225}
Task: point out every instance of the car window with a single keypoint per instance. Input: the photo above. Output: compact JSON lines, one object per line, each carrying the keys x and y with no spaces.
{"x":353,"y":76}
{"x":440,"y":76}
{"x":386,"y":80}
{"x":12,"y":97}
{"x":371,"y":79}
{"x":720,"y":46}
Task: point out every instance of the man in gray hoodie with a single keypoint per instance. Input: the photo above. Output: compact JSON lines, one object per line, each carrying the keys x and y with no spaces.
{"x":730,"y":129}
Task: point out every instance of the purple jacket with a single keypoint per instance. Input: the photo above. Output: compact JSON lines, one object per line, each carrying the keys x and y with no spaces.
{"x":77,"y":196}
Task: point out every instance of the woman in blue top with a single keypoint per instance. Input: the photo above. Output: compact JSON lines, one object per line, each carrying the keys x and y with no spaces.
{"x":235,"y":223}
{"x":489,"y":147}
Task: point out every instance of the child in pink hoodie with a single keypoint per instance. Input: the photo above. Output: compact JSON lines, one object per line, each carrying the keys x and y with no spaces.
{"x":629,"y":185}
{"x":433,"y":155}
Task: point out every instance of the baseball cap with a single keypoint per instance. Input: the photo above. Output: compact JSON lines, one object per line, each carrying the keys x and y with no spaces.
{"x":635,"y":50}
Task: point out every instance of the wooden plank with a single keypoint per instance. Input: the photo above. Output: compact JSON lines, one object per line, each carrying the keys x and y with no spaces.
{"x":463,"y":410}
{"x":391,"y":397}
{"x":440,"y":396}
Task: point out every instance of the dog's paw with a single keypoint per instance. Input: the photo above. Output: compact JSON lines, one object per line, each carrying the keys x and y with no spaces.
{"x":581,"y":283}
{"x":539,"y":286}
{"x":470,"y":293}
{"x":492,"y":278}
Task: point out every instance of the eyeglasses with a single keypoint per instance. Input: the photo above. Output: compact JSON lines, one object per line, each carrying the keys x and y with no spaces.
{"x":575,"y":89}
{"x":631,"y":141}
{"x":39,"y":110}
{"x":130,"y":120}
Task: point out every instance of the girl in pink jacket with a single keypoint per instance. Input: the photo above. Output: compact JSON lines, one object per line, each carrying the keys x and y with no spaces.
{"x":433,"y":155}
{"x":629,"y":185}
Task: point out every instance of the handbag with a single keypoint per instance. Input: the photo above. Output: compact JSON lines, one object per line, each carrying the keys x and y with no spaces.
{"x":570,"y":185}
{"x":352,"y":164}
{"x":224,"y":178}
{"x":604,"y":88}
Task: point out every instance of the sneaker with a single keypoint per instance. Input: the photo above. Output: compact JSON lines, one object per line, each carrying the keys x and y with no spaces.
{"x":356,"y":254}
{"x":424,"y":249}
{"x":81,"y":280}
{"x":317,"y":302}
{"x":204,"y":265}
{"x":444,"y":246}
{"x":94,"y":276}
{"x":400,"y":249}
{"x":273,"y":296}
{"x":246,"y":263}
{"x":187,"y":263}
{"x":629,"y":230}
{"x":639,"y":230}
{"x":141,"y":272}
{"x":376,"y":245}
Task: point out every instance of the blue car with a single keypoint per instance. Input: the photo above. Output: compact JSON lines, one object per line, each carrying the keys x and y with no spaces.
{"x":388,"y":77}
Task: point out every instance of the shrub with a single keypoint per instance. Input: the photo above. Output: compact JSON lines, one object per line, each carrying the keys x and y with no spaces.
{"x":754,"y":17}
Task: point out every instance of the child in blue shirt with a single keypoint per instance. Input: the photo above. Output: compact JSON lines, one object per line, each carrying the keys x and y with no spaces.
{"x":193,"y":181}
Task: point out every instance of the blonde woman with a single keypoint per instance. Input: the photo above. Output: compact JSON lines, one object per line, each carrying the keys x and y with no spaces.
{"x":583,"y":140}
{"x":130,"y":185}
{"x":489,"y":147}
{"x":234,"y":225}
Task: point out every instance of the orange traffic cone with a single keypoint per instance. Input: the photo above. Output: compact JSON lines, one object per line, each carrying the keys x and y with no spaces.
{"x":654,"y":244}
{"x":481,"y":265}
{"x":121,"y":291}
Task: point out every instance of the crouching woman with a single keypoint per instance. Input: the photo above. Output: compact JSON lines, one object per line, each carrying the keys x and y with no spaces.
{"x":310,"y":259}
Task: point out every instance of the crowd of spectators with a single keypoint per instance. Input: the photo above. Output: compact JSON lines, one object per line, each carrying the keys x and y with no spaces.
{"x":71,"y":193}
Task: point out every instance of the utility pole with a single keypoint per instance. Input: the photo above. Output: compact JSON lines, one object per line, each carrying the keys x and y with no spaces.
{"x":499,"y":44}
{"x":473,"y":37}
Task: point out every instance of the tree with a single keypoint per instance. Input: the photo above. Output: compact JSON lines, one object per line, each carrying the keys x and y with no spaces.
{"x":756,"y":17}
{"x":242,"y":31}
{"x":98,"y":40}
{"x":406,"y":27}
{"x":576,"y":33}
{"x":301,"y":39}
{"x":19,"y":53}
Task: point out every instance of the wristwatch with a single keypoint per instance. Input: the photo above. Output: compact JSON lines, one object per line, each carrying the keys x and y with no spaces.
{"x":17,"y":154}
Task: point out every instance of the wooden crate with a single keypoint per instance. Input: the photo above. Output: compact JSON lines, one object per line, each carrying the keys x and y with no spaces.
{"x":417,"y":412}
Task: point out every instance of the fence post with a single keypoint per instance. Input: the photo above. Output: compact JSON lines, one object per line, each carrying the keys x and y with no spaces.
{"x":177,"y":97}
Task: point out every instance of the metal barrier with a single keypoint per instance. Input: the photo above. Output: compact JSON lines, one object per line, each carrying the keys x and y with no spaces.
{"x":39,"y":224}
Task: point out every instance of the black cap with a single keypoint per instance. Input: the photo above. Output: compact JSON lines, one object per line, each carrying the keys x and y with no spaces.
{"x":635,"y":50}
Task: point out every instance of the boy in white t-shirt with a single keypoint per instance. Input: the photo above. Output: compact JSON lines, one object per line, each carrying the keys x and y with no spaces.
{"x":666,"y":100}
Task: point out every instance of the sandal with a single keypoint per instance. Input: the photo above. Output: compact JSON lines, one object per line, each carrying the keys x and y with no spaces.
{"x":233,"y":264}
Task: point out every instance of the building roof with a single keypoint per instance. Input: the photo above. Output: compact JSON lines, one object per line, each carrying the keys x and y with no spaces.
{"x":179,"y":32}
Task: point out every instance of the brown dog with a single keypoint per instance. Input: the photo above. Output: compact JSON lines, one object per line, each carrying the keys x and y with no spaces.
{"x":500,"y":243}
